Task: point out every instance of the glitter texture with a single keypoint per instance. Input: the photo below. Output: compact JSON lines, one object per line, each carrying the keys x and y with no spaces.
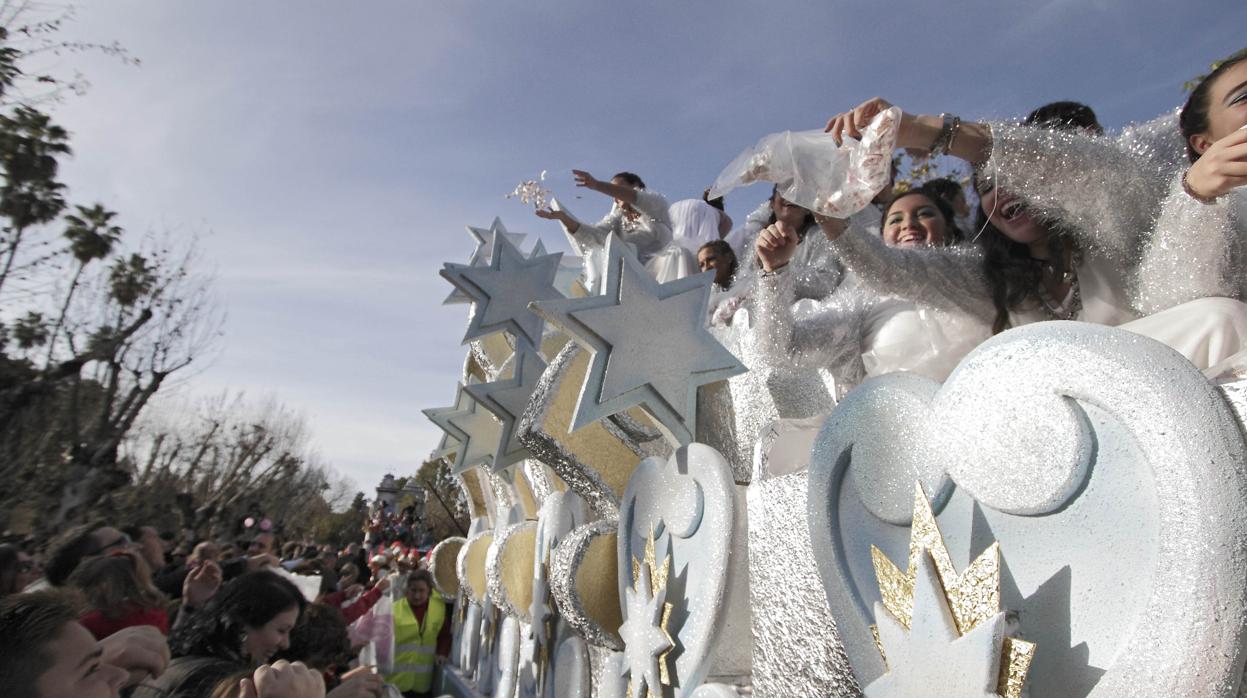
{"x":796,"y":648}
{"x":594,"y":461}
{"x":1198,"y":250}
{"x":583,"y":574}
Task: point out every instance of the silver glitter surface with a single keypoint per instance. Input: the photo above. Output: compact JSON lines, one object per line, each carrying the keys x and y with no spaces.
{"x":1236,"y":394}
{"x":1107,"y":195}
{"x":586,"y":481}
{"x":731,"y":417}
{"x":504,"y":495}
{"x":796,"y":650}
{"x":1198,"y":250}
{"x":540,"y":479}
{"x":1010,"y":432}
{"x":948,"y":278}
{"x":565,"y":565}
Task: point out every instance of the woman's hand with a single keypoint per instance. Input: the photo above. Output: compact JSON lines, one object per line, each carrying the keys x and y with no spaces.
{"x":852,"y":123}
{"x":360,"y":682}
{"x":201,"y":585}
{"x":775,"y":246}
{"x":140,"y":650}
{"x":550,"y":214}
{"x":831,"y":227}
{"x":584,"y":179}
{"x":563,"y":217}
{"x":1221,"y":168}
{"x":282,"y":679}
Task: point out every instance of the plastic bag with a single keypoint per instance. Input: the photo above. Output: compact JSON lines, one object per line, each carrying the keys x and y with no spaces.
{"x":377,"y":627}
{"x":308,"y":584}
{"x":815,"y":173}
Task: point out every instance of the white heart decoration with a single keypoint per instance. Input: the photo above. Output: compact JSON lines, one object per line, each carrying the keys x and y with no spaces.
{"x":697,"y":516}
{"x":1110,"y":471}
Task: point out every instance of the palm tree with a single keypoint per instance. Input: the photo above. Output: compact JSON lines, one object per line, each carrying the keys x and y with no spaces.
{"x":29,"y":194}
{"x":91,"y":237}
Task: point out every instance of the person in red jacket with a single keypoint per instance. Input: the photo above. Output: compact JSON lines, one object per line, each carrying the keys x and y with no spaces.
{"x":353,"y":610}
{"x":120,"y":594}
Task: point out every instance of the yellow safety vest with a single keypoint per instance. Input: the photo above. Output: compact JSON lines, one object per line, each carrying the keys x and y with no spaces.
{"x":415,"y":645}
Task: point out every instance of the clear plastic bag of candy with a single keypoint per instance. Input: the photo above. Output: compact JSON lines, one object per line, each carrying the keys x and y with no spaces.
{"x":812,"y":171}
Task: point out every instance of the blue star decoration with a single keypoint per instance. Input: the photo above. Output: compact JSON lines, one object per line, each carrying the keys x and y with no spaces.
{"x":502,"y":290}
{"x":484,"y":251}
{"x":649,"y":342}
{"x":507,"y":400}
{"x":475,"y":429}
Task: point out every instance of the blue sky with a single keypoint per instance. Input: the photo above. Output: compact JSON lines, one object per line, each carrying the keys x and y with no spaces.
{"x":331,"y":153}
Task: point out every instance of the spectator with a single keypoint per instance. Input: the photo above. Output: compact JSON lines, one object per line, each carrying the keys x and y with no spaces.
{"x":46,"y":653}
{"x":245,"y":624}
{"x":17,"y":570}
{"x":421,"y":636}
{"x":120,"y":594}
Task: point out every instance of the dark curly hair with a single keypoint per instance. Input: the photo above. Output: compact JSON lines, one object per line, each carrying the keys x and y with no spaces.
{"x":248,"y":601}
{"x":319,"y":640}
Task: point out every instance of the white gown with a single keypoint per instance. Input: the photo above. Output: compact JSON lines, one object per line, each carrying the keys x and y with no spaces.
{"x":647,"y":234}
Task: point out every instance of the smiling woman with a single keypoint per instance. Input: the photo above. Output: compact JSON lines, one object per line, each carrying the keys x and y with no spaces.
{"x":245,"y":624}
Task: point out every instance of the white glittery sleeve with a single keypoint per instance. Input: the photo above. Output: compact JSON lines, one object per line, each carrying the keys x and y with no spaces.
{"x":1107,"y":193}
{"x":950,"y":278}
{"x":591,"y":235}
{"x":1159,"y":140}
{"x":1197,"y":251}
{"x":654,"y":205}
{"x":826,"y":336}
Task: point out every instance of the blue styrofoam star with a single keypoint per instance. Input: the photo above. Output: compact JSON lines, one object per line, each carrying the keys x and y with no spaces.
{"x":484,"y":252}
{"x":501,"y":292}
{"x":649,"y":343}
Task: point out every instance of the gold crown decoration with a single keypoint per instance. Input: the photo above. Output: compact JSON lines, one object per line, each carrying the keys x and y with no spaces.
{"x":973,"y":596}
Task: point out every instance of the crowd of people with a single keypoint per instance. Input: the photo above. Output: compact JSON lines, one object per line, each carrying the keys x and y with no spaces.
{"x":1145,"y":230}
{"x":106,"y":611}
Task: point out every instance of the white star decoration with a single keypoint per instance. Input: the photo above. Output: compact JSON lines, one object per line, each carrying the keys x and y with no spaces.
{"x":644,"y":638}
{"x":473,"y":427}
{"x":501,"y":292}
{"x":649,"y":342}
{"x":507,"y":400}
{"x":931,"y":653}
{"x":484,"y":252}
